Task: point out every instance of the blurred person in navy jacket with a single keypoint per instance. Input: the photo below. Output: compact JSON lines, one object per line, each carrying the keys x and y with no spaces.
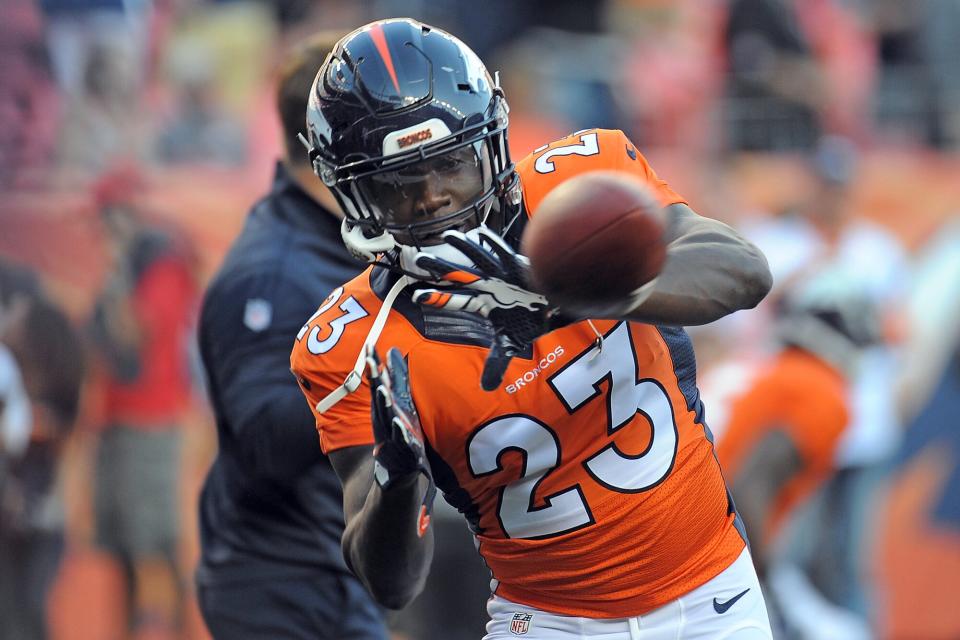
{"x":270,"y":512}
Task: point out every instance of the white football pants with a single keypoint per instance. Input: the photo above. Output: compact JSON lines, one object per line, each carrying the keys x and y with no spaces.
{"x":728,"y":607}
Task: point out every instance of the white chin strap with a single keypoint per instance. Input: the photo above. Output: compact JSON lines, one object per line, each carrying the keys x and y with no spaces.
{"x":443,"y":251}
{"x":362,"y":247}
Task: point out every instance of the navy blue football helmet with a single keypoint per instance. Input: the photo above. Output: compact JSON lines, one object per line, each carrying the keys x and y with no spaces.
{"x":409,"y":130}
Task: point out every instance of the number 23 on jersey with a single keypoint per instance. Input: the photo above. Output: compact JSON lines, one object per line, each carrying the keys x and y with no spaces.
{"x":325,"y":336}
{"x":540,"y":444}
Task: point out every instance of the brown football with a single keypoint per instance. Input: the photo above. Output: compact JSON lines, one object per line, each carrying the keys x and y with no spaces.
{"x":594,"y":239}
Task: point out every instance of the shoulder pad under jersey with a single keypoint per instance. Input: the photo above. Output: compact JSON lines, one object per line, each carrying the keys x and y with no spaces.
{"x":581,"y":152}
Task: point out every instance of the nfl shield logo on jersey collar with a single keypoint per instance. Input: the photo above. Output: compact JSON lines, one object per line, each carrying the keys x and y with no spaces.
{"x":520,"y":624}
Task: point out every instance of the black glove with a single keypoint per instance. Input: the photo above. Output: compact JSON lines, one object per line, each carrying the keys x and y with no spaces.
{"x":399,"y":450}
{"x":492,"y":282}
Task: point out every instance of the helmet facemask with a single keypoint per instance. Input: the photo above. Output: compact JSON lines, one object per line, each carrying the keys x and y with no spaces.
{"x":453,"y":188}
{"x":409,"y":198}
{"x":417,"y":202}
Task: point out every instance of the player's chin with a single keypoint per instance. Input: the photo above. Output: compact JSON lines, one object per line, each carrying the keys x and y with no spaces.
{"x":434,"y":237}
{"x":420,"y":242}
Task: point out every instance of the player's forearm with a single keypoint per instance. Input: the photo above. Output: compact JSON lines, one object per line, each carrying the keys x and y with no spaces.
{"x":710,"y":272}
{"x":382,"y":547}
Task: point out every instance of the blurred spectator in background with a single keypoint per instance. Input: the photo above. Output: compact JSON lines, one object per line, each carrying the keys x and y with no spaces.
{"x":842,"y":44}
{"x":271,"y":512}
{"x":78,"y":30}
{"x":576,"y":57}
{"x":671,"y":76}
{"x":775,"y":90}
{"x":905,"y":103}
{"x":199,"y":130}
{"x":140,"y":330}
{"x":562,"y":47}
{"x":41,"y":372}
{"x":778,"y":443}
{"x":97,"y":52}
{"x":917,"y":94}
{"x":942,"y":25}
{"x":28,"y":97}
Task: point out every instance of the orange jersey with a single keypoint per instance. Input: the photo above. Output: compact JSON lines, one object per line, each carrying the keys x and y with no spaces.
{"x":806,"y":398}
{"x":587,"y":477}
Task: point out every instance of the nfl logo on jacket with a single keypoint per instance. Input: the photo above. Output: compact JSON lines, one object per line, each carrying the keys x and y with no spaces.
{"x":520,"y":624}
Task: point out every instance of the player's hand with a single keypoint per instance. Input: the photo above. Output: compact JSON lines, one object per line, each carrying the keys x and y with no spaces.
{"x":492,"y":282}
{"x":399,"y":448}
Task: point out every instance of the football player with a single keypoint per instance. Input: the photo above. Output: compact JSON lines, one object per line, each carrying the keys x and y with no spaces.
{"x":574,"y":445}
{"x":778,"y":445}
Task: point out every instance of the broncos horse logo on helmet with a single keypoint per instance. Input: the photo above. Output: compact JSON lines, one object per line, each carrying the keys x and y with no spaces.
{"x":409,"y":130}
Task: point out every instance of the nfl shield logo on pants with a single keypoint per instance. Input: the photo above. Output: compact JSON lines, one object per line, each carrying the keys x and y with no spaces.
{"x":520,"y":623}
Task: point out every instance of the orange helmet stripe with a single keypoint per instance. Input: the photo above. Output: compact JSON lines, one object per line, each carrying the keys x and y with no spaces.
{"x":376,"y":34}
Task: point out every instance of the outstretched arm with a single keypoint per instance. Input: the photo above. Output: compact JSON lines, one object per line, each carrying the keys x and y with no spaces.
{"x":380,"y":543}
{"x":711,"y":271}
{"x":388,"y":491}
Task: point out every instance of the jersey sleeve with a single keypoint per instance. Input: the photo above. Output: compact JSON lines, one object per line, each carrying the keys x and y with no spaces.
{"x":797,"y":400}
{"x":820,"y":422}
{"x":584,"y":151}
{"x":324,"y":354}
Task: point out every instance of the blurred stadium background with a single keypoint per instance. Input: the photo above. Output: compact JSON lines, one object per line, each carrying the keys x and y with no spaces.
{"x":827,"y":130}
